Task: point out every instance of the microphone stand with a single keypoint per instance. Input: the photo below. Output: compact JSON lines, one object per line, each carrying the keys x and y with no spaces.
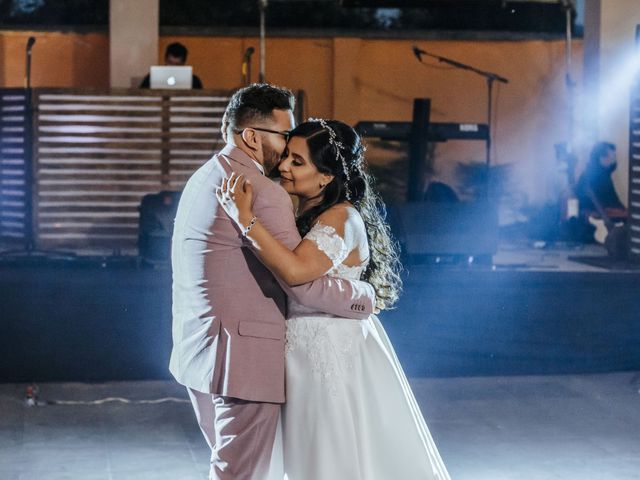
{"x":490,"y":78}
{"x":30,"y":250}
{"x":28,"y":150}
{"x":27,"y":78}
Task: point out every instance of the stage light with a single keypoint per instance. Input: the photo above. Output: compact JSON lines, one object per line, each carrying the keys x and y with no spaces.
{"x":617,"y":79}
{"x":619,"y":69}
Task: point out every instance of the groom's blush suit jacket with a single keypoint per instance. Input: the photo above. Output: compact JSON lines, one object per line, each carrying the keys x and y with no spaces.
{"x":228,"y":309}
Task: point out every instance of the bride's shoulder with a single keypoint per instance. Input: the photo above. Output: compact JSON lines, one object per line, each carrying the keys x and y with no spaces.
{"x":343,"y":217}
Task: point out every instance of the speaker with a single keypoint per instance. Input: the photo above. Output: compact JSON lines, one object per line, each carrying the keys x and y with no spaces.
{"x":157,"y":213}
{"x":438,"y":229}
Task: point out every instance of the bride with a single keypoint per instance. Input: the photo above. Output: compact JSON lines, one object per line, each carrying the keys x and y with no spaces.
{"x":350,"y":413}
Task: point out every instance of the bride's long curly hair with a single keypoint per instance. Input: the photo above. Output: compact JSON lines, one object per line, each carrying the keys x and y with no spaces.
{"x":383,"y":271}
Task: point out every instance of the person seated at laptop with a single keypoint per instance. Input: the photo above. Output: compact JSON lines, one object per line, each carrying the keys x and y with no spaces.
{"x":596,"y":182}
{"x":175,"y":55}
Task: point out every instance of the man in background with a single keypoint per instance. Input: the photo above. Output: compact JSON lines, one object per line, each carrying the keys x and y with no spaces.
{"x":174,"y":55}
{"x":595,"y":183}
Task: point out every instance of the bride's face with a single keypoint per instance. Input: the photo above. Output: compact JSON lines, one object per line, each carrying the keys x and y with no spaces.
{"x":298,"y":174}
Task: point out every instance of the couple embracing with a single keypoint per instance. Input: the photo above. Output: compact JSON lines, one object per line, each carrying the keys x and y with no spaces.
{"x":289,"y":372}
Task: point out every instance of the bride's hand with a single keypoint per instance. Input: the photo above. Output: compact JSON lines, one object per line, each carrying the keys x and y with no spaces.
{"x":235,"y":196}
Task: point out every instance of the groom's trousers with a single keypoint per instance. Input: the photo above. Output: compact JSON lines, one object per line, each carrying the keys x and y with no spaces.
{"x":240,"y":434}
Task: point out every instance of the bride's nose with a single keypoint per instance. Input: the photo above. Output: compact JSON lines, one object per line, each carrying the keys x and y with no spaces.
{"x":284,"y":165}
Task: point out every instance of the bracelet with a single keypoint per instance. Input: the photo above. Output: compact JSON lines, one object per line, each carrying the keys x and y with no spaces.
{"x":245,"y":231}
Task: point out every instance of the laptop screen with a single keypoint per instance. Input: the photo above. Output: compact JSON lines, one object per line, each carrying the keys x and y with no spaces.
{"x":171,"y":77}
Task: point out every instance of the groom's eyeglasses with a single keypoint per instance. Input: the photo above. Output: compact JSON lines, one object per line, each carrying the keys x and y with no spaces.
{"x":284,"y":133}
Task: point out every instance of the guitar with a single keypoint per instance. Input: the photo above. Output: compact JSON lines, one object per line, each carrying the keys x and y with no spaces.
{"x":613,"y":235}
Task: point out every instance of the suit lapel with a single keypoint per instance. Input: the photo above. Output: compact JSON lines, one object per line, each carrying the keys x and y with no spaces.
{"x":233,"y":154}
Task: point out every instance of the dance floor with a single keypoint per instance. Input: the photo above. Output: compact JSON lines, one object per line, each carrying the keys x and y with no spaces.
{"x":487,"y":428}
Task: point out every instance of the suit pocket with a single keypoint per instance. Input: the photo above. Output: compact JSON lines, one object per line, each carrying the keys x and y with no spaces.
{"x":261,"y":330}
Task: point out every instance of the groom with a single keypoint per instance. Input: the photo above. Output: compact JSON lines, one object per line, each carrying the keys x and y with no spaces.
{"x":228,"y":309}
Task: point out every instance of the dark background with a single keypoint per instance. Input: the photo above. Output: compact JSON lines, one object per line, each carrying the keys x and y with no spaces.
{"x":454,"y":15}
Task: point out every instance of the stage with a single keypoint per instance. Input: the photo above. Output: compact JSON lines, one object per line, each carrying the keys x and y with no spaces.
{"x":533,"y":312}
{"x":486,"y":428}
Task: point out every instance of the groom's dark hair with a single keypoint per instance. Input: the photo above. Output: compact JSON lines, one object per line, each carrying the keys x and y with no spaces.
{"x":255,"y":103}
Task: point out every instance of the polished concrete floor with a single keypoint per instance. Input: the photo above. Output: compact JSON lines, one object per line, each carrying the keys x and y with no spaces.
{"x":583,"y":427}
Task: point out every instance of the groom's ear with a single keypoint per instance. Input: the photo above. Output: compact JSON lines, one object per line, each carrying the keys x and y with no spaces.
{"x":251,"y":139}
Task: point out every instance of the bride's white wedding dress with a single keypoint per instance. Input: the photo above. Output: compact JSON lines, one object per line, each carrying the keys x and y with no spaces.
{"x":349,"y":413}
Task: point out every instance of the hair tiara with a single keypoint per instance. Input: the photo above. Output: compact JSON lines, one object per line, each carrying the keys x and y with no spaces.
{"x":333,"y":140}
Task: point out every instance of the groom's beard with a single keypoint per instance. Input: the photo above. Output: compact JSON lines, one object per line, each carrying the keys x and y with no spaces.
{"x":271,"y":159}
{"x":274,"y":174}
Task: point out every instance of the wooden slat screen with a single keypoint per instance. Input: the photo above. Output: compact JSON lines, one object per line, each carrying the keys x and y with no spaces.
{"x":98,"y":153}
{"x":634,"y":175}
{"x":13,"y":165}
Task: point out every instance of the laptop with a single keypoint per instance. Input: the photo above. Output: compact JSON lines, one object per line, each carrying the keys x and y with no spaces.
{"x":170,"y":77}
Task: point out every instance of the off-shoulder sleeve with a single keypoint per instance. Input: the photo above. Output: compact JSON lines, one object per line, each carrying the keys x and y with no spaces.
{"x":329,"y":242}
